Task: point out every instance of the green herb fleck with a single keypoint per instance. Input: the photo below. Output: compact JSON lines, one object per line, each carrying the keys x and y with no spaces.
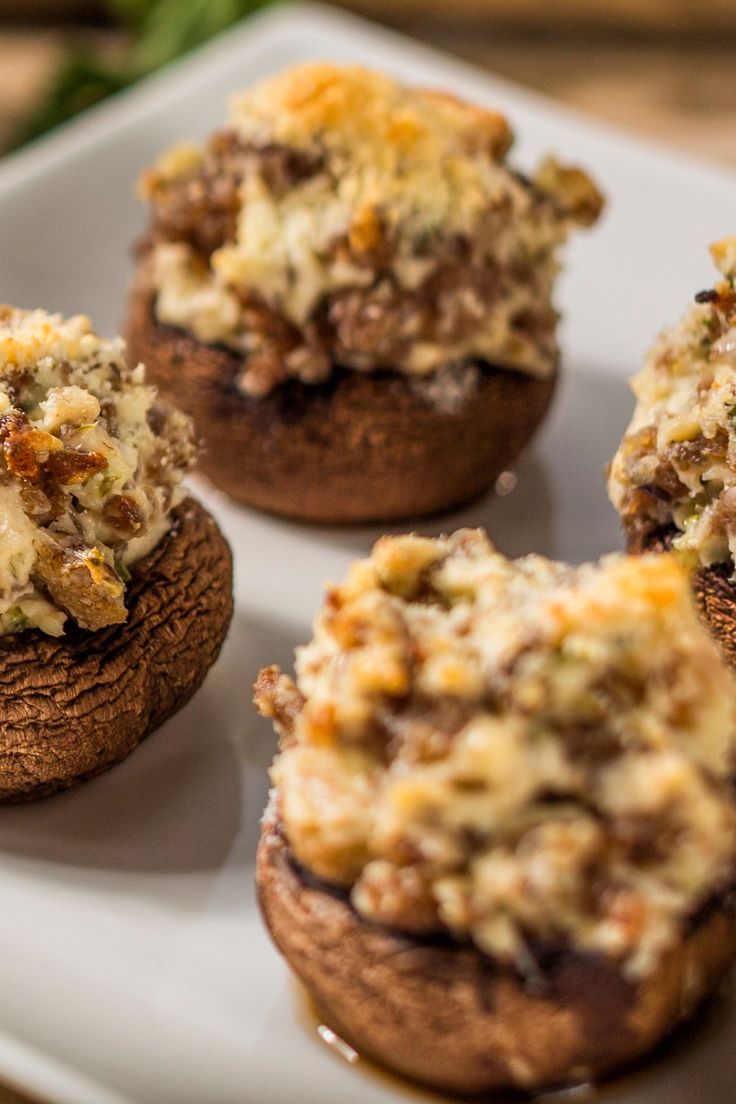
{"x":709,"y":332}
{"x":107,"y":482}
{"x":122,"y":571}
{"x":16,"y":619}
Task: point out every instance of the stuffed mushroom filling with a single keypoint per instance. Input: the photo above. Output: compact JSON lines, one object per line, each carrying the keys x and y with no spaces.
{"x":675,"y":469}
{"x":511,"y":752}
{"x":90,"y":470}
{"x":343,"y":218}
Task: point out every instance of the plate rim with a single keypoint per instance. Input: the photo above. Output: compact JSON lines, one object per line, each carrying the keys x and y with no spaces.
{"x":127,"y":106}
{"x":24,"y":1067}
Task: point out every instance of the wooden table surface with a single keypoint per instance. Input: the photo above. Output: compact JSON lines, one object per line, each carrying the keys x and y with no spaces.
{"x":683,"y":93}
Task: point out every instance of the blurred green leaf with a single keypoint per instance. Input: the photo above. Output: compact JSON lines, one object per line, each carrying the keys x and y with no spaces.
{"x":171,"y":28}
{"x":131,"y":13}
{"x":161,"y":31}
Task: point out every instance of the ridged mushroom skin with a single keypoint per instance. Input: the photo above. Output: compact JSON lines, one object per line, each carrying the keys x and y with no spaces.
{"x":713,"y":589}
{"x":446,"y":1015}
{"x":715,"y":597}
{"x":74,"y":706}
{"x":360,"y":447}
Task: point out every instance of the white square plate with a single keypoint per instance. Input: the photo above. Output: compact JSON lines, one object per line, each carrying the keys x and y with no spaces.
{"x":134,"y":967}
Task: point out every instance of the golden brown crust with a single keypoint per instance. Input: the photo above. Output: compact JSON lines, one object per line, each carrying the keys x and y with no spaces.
{"x":366,"y":110}
{"x":360,"y":447}
{"x":448,"y":1016}
{"x":74,"y":706}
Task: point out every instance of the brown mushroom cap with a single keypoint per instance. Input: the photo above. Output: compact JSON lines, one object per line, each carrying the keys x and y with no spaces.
{"x":72,"y":707}
{"x":713,"y":589}
{"x":715,"y":597}
{"x":447,"y":1015}
{"x":359,"y":447}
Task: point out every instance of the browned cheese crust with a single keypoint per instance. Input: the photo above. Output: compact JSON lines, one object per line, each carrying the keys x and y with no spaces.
{"x":75,"y":705}
{"x":447,"y":1015}
{"x":359,"y":447}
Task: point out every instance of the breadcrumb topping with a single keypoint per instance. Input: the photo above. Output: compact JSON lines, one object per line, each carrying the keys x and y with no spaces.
{"x":675,"y":469}
{"x":518,"y":753}
{"x":344,"y":217}
{"x":90,"y":470}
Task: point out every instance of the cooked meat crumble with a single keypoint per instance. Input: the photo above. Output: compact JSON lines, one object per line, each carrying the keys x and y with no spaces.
{"x":343,"y":218}
{"x":90,"y":470}
{"x":513,"y":752}
{"x":676,"y":466}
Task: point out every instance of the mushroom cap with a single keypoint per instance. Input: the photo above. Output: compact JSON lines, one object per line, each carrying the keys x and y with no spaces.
{"x":715,"y":597}
{"x":449,"y":1016}
{"x":713,"y":589}
{"x":75,"y":705}
{"x":360,"y":447}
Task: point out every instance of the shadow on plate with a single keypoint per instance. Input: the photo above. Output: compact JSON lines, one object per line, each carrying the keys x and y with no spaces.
{"x":178,"y":802}
{"x":517,"y":515}
{"x":555,"y":501}
{"x":691,"y":1067}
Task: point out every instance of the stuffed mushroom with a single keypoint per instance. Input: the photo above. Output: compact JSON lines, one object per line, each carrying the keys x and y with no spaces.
{"x":673,"y":478}
{"x":115,"y":587}
{"x":501,"y":846}
{"x":351,"y":291}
